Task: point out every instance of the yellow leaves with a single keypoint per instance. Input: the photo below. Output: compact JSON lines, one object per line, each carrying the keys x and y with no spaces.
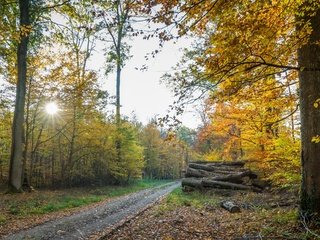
{"x":168,"y":238}
{"x":315,"y":139}
{"x":25,"y":30}
{"x":247,"y":31}
{"x":316,"y":103}
{"x":170,"y":137}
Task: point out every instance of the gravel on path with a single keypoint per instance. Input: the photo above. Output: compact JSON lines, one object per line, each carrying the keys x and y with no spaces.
{"x":98,"y":221}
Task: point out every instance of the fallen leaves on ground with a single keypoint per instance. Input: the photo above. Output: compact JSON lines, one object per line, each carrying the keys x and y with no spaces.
{"x":260,"y":218}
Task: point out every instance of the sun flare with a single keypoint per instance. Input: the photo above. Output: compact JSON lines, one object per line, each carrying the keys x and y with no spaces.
{"x":51,"y":108}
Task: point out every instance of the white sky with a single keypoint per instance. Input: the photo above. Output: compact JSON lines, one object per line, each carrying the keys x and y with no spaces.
{"x":141,"y":91}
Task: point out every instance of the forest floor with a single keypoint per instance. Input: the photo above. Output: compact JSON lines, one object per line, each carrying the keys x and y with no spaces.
{"x":26,"y":211}
{"x":196,"y":215}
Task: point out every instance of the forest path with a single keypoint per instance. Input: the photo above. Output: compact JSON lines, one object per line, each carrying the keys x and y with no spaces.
{"x":97,"y":221}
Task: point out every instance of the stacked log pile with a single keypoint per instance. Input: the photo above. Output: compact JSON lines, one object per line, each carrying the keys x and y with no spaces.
{"x":224,"y":175}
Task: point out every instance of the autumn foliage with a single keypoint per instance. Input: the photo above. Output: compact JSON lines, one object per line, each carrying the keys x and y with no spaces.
{"x":80,"y":144}
{"x":244,"y":63}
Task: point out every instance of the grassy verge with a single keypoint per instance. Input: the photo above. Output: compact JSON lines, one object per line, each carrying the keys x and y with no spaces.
{"x":178,"y":198}
{"x":42,"y":202}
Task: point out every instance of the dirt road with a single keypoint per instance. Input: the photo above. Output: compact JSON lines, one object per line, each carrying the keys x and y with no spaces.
{"x":95,"y":222}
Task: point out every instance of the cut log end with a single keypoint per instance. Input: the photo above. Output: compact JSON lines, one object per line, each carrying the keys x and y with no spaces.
{"x":230,"y":206}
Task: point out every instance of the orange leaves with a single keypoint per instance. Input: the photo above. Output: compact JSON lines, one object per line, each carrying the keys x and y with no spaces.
{"x":247,"y":57}
{"x":255,"y":122}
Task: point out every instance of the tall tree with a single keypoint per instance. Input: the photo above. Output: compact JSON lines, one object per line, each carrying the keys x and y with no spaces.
{"x":115,"y":20}
{"x":79,"y":36}
{"x":16,"y":160}
{"x":309,"y":79}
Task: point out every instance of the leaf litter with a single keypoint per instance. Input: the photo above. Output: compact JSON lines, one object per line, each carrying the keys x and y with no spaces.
{"x":269,"y":215}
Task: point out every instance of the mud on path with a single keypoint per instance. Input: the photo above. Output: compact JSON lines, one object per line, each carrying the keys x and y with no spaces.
{"x":98,"y":221}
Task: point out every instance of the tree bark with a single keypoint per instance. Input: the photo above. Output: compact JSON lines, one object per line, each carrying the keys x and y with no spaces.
{"x":219,"y":163}
{"x":118,"y":82}
{"x":230,"y":206}
{"x":191,"y":172}
{"x":227,"y":185}
{"x":217,"y":167}
{"x":16,"y":159}
{"x":235,"y":178}
{"x":202,"y":167}
{"x":120,"y":20}
{"x":208,"y":183}
{"x":231,"y":163}
{"x":309,"y":79}
{"x":216,"y":172}
{"x":192,"y":182}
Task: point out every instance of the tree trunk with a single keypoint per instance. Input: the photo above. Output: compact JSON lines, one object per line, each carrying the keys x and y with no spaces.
{"x":71,"y":151}
{"x":26,"y":182}
{"x":202,"y":167}
{"x":309,"y":79}
{"x":236,"y":178}
{"x":1,"y":171}
{"x":119,"y":62}
{"x":16,"y":159}
{"x":52,"y":168}
{"x":191,"y":182}
{"x":217,"y":168}
{"x":118,"y":78}
{"x":227,"y":185}
{"x":219,"y":163}
{"x":208,"y":183}
{"x":191,"y":172}
{"x":215,"y":172}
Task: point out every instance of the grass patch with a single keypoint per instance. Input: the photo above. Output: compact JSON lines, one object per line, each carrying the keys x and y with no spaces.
{"x":195,"y":199}
{"x":281,"y":222}
{"x":3,"y":219}
{"x":14,"y":209}
{"x":65,"y":202}
{"x":286,"y":217}
{"x":178,"y":198}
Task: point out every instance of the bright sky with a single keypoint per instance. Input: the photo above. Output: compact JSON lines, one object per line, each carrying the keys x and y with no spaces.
{"x":141,"y":91}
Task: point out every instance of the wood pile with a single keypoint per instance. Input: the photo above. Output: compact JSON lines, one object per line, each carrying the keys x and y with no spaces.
{"x":224,"y":175}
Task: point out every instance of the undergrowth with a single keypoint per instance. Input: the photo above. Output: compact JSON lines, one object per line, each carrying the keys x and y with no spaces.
{"x":3,"y":219}
{"x":178,"y":198}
